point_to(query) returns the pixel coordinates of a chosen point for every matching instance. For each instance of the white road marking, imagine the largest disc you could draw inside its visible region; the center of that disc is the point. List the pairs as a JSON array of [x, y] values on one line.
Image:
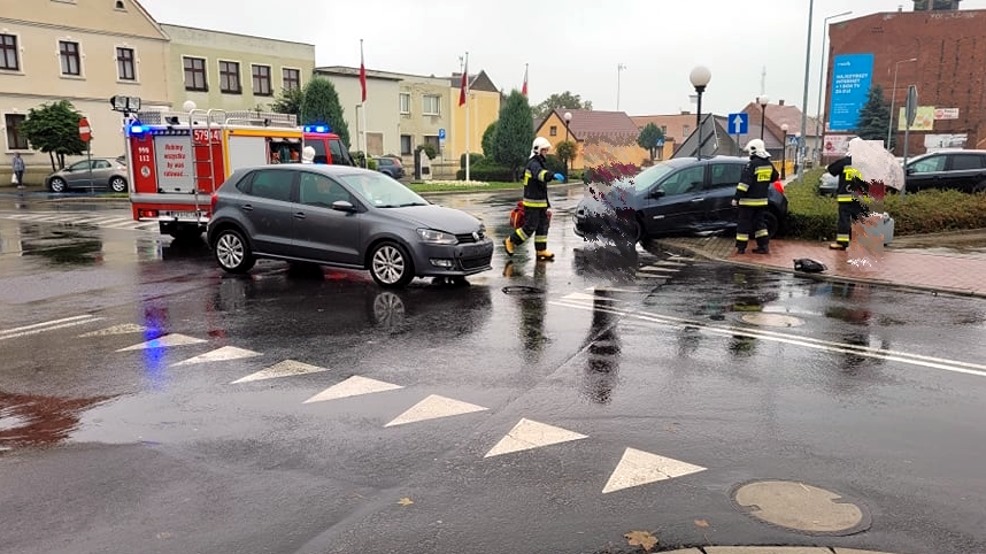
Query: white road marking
[[638, 468], [287, 368], [46, 326], [224, 354], [528, 435], [354, 386], [655, 269], [125, 329], [807, 342], [166, 341], [665, 263], [588, 297], [773, 320], [435, 407]]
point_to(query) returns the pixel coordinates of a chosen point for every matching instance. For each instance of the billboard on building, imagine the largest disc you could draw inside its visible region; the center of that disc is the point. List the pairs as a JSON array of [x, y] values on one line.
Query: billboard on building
[[924, 120], [836, 145], [852, 76], [945, 142]]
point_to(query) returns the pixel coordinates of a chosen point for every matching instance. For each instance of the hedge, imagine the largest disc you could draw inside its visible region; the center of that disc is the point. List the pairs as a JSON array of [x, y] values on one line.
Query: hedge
[[474, 159], [486, 170], [814, 217]]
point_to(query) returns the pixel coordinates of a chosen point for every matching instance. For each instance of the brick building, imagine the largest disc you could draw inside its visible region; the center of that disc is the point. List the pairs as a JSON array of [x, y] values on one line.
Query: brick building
[[950, 47]]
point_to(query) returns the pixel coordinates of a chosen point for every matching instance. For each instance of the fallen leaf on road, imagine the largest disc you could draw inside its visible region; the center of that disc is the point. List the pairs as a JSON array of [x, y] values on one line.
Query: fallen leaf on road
[[701, 523], [405, 501], [642, 539]]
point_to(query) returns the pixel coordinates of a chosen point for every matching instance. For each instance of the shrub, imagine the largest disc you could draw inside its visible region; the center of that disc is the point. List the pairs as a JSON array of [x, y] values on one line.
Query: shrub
[[486, 170], [429, 150], [473, 160]]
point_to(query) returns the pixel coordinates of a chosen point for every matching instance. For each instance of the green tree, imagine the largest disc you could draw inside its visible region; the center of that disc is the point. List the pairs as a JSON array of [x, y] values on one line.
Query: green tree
[[563, 101], [514, 132], [566, 151], [874, 118], [649, 138], [489, 137], [429, 150], [289, 102], [321, 105], [54, 129]]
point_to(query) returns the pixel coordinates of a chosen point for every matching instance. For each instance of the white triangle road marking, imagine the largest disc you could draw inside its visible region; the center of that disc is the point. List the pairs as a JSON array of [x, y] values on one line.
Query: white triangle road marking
[[167, 341], [641, 468], [287, 368], [528, 435], [588, 297], [435, 407], [125, 329], [224, 354], [354, 386]]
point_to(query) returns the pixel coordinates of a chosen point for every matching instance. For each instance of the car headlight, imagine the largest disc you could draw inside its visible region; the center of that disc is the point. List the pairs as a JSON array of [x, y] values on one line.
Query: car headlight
[[431, 236]]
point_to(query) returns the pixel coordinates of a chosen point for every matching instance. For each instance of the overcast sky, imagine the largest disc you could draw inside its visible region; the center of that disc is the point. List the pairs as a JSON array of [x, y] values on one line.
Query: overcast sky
[[570, 45]]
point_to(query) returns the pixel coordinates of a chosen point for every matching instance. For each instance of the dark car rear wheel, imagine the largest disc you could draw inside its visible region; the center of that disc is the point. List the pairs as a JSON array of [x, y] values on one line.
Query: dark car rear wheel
[[391, 266], [773, 223], [232, 252]]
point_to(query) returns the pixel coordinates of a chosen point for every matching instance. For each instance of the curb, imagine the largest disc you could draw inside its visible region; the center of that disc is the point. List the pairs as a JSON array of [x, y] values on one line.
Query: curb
[[770, 550], [695, 251]]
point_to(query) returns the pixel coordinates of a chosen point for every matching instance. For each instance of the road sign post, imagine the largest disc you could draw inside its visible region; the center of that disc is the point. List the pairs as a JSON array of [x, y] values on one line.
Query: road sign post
[[660, 148], [910, 116]]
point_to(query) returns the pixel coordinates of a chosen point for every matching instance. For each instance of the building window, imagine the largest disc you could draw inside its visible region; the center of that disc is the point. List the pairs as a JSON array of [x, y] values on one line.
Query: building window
[[261, 81], [405, 103], [9, 58], [15, 139], [664, 130], [686, 130], [120, 5], [432, 105], [195, 77], [125, 64], [292, 79], [433, 140], [553, 131], [69, 53], [407, 145], [229, 77]]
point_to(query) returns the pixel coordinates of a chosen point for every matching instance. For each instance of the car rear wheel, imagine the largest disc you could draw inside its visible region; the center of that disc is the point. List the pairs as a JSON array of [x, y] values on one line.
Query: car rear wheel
[[57, 185], [773, 223], [391, 266], [118, 184], [233, 252]]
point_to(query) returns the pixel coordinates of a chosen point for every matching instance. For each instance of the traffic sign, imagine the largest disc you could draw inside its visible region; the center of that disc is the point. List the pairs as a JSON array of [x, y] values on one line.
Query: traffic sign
[[739, 123], [441, 134], [660, 143], [85, 132], [912, 104]]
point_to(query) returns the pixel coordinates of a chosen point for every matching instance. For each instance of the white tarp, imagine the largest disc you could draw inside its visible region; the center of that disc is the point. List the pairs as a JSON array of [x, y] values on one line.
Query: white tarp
[[876, 164]]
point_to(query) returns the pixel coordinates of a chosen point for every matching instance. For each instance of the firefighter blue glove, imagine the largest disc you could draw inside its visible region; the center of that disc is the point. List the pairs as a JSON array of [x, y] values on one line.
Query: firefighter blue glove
[[559, 177]]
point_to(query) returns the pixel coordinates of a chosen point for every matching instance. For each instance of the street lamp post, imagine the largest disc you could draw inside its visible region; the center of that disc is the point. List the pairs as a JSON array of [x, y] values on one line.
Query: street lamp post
[[763, 101], [804, 100], [821, 78], [700, 78], [619, 69], [784, 153], [893, 102], [568, 161]]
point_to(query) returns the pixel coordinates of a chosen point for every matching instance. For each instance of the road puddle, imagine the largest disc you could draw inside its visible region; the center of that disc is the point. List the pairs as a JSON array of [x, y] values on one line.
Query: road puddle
[[27, 420]]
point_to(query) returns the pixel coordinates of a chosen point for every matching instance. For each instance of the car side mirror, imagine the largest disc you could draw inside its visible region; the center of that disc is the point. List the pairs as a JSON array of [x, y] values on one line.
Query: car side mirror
[[909, 171], [657, 193], [343, 206]]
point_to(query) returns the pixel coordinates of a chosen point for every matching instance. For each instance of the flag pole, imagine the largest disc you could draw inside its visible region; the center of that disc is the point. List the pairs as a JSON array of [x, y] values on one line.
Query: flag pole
[[466, 80], [366, 155]]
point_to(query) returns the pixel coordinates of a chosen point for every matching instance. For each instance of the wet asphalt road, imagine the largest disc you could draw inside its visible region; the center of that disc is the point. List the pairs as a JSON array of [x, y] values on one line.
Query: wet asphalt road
[[875, 394]]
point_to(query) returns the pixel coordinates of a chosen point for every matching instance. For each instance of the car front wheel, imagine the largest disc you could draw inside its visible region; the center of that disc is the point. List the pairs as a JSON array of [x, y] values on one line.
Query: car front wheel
[[391, 266], [233, 252]]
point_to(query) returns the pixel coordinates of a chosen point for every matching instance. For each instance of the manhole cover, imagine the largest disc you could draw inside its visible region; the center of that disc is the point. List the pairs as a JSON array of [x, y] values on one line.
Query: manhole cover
[[801, 507], [772, 320]]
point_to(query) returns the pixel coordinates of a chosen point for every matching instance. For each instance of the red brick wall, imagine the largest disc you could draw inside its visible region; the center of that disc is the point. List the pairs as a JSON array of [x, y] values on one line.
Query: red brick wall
[[950, 71]]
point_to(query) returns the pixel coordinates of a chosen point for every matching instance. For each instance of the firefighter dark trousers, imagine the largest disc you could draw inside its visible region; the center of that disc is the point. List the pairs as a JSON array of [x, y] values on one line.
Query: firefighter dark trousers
[[752, 220], [536, 225], [849, 212]]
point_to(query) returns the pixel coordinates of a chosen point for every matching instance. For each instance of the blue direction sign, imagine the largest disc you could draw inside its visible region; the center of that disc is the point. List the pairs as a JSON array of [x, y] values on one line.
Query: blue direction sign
[[441, 134], [739, 124], [660, 143]]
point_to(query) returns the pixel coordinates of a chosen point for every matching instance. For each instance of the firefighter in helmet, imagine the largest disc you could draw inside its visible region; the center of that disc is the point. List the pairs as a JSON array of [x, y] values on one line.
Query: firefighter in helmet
[[851, 188], [536, 179], [751, 197]]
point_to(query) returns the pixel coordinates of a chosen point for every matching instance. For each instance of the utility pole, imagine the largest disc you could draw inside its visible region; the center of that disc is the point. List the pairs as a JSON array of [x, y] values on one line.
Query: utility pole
[[619, 68]]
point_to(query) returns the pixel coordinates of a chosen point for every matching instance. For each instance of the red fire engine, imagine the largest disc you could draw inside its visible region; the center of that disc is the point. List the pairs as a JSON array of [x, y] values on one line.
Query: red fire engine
[[176, 160]]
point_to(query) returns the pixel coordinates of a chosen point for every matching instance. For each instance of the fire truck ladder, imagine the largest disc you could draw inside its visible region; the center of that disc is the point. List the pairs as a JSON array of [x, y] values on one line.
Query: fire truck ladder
[[210, 118]]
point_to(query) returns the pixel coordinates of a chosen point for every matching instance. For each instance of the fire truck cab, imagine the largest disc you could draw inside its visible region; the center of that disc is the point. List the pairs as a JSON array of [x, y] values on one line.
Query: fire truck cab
[[176, 160]]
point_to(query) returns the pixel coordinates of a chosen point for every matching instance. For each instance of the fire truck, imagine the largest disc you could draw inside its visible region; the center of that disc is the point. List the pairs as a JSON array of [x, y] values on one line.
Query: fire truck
[[176, 160]]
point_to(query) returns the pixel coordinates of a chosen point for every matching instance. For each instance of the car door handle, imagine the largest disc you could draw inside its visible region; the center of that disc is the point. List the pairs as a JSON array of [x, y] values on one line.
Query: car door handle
[[299, 215], [247, 208], [698, 200]]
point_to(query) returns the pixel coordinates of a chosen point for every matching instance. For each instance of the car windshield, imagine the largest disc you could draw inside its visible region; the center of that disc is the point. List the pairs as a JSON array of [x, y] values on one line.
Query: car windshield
[[651, 175], [381, 191]]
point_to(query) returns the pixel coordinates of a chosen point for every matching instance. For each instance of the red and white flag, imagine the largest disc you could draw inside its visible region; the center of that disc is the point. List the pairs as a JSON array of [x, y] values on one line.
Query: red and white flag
[[362, 71], [524, 90], [464, 85]]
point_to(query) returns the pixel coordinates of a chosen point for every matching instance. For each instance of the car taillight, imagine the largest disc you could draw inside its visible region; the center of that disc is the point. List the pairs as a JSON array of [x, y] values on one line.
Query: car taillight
[[212, 201]]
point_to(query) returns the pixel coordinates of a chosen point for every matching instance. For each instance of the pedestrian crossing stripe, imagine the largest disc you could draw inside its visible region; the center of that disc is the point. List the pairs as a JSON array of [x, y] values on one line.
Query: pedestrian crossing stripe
[[638, 468], [224, 354], [125, 329], [287, 368], [167, 341], [528, 435], [435, 407], [354, 386]]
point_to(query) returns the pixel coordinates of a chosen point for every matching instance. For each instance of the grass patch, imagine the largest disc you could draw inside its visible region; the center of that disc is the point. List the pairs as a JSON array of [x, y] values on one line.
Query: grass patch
[[814, 217]]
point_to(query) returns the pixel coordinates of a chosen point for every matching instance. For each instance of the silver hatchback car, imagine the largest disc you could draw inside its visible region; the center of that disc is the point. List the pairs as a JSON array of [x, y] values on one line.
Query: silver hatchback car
[[346, 217]]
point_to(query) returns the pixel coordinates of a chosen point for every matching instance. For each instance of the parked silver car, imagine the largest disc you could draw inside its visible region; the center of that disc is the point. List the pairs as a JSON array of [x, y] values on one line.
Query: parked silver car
[[343, 217], [107, 173]]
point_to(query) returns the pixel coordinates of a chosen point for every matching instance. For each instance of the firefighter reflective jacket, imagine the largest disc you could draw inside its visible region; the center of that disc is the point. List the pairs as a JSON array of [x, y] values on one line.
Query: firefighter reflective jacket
[[850, 180], [755, 183], [536, 179]]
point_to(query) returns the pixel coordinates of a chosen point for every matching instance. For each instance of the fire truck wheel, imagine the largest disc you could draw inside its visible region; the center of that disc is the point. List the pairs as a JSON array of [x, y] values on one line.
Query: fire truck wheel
[[233, 252], [391, 265]]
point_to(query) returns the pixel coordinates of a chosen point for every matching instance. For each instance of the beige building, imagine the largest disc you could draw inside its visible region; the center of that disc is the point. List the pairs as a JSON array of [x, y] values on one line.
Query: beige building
[[425, 111], [234, 72], [484, 109], [84, 51], [383, 98]]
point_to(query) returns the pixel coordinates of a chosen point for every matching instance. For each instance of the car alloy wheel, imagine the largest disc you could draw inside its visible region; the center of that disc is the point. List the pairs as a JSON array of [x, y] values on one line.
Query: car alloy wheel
[[390, 266], [232, 252], [57, 185], [118, 184]]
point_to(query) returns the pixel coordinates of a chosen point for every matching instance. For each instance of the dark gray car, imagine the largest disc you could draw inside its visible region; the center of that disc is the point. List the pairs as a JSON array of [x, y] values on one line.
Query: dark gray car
[[343, 217]]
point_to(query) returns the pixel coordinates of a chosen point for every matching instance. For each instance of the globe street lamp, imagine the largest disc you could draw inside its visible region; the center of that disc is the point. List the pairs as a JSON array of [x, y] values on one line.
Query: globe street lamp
[[763, 101], [893, 101], [568, 119], [700, 78], [784, 128]]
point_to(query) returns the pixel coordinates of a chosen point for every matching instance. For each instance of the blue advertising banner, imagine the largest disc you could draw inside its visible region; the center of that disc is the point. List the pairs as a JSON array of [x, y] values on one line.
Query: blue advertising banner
[[851, 78]]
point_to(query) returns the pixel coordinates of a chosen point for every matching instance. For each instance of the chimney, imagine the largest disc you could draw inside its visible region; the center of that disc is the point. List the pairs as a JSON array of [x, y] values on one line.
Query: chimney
[[780, 102]]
